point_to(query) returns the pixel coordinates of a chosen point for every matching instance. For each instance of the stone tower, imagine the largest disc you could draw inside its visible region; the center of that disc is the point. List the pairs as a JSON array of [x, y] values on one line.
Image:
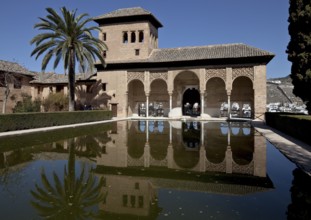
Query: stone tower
[[130, 34]]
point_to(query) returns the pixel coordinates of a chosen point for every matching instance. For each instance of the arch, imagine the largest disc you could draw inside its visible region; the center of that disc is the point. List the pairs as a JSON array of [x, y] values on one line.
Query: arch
[[136, 142], [183, 81], [186, 159], [191, 135], [158, 145], [136, 95], [242, 149], [125, 37], [158, 96], [133, 37], [215, 95], [191, 97], [243, 93], [215, 143], [141, 37]]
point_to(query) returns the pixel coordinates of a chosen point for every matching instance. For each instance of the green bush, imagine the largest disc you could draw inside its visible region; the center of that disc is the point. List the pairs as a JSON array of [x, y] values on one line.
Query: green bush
[[27, 105], [297, 126], [19, 121], [55, 102]]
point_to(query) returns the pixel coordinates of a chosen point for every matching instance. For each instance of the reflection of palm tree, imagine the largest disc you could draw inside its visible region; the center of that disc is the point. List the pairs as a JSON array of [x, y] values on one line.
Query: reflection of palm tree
[[70, 199], [91, 145]]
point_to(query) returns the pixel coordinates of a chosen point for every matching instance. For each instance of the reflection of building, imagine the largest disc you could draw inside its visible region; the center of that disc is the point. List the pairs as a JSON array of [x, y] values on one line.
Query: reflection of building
[[138, 71], [230, 159], [128, 195], [232, 148]]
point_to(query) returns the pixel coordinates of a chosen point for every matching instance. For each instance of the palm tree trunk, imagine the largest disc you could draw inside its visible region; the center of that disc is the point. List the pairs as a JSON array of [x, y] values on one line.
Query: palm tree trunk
[[71, 82]]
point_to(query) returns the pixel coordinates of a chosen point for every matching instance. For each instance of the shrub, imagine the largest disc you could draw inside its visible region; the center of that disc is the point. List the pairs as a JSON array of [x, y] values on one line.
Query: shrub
[[11, 122], [297, 126], [55, 102], [27, 105]]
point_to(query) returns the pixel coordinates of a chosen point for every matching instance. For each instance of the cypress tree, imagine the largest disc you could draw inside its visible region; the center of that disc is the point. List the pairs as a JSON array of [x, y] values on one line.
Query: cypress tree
[[299, 48]]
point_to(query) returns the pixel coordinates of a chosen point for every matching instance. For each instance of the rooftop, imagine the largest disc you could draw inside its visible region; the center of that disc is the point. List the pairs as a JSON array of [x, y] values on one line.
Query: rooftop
[[12, 67], [201, 53], [129, 14]]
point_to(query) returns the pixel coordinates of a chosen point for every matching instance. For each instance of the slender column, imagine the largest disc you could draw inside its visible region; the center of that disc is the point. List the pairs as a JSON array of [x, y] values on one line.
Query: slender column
[[126, 105], [170, 151], [147, 131], [229, 106], [147, 105], [171, 101], [202, 104], [229, 159]]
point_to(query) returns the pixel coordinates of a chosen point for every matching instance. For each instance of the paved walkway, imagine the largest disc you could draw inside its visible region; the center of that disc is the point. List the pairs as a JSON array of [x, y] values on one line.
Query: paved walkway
[[295, 150]]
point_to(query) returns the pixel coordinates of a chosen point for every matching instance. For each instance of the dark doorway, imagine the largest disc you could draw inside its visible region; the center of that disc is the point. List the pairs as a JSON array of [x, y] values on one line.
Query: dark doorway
[[191, 96]]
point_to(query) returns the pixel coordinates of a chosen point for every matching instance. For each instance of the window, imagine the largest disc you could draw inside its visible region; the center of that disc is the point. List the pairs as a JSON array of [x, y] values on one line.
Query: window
[[133, 37], [141, 37], [140, 201], [17, 83], [125, 37], [39, 90], [104, 87], [104, 54], [137, 52], [124, 200], [133, 201], [104, 36], [59, 88], [89, 88], [136, 185]]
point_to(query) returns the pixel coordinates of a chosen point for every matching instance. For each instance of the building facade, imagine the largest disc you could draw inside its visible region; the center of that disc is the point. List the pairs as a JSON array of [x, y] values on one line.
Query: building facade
[[14, 82], [139, 74]]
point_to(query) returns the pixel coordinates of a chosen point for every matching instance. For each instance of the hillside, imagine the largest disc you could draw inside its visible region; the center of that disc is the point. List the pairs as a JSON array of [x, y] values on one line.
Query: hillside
[[281, 90]]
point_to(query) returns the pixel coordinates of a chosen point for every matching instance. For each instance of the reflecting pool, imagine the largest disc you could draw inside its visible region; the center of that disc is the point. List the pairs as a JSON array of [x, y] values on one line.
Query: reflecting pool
[[150, 170]]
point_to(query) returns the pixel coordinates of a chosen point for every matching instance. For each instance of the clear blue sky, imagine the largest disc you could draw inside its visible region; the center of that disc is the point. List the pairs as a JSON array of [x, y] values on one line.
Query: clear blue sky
[[259, 23]]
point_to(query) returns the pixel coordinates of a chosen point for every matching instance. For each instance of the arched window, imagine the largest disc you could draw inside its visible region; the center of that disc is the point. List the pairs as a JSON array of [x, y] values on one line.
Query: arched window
[[133, 37], [125, 37], [141, 37]]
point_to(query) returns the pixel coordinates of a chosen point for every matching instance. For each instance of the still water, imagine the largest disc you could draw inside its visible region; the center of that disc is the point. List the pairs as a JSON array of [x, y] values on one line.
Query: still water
[[150, 170]]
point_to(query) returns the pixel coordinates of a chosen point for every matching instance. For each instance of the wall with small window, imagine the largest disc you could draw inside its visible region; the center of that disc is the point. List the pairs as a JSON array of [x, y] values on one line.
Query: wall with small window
[[129, 41]]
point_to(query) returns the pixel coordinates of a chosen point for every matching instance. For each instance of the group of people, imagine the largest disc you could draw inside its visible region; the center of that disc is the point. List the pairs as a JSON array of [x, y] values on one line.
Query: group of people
[[235, 110], [153, 110], [192, 110]]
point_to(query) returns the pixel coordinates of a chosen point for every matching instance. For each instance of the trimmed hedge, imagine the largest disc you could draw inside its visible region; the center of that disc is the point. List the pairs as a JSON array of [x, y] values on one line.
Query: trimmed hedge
[[297, 126], [11, 122]]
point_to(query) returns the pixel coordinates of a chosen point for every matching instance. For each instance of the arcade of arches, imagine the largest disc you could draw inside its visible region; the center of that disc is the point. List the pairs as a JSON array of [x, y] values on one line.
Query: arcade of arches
[[207, 88]]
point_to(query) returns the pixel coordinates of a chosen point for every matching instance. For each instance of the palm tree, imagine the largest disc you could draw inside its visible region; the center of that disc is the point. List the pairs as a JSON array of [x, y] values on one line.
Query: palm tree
[[68, 39]]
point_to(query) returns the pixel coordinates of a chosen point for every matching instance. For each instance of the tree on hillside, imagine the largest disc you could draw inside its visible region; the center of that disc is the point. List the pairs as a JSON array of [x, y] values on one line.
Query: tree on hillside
[[299, 48], [68, 38]]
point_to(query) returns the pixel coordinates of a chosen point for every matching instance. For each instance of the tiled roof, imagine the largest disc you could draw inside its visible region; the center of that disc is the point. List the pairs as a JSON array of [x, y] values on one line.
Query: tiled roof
[[53, 78], [222, 51], [125, 12], [11, 67], [211, 52], [48, 78]]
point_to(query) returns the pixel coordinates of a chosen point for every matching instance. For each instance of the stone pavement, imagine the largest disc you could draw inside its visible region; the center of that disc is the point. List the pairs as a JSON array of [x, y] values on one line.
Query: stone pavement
[[296, 151]]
